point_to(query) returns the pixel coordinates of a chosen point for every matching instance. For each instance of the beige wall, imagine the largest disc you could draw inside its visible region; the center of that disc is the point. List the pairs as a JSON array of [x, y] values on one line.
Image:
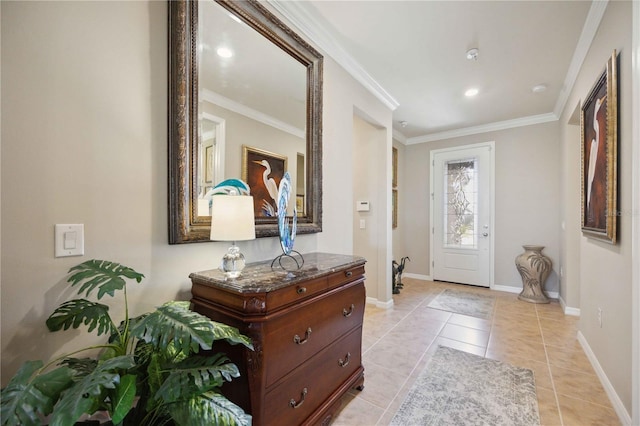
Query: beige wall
[[84, 140], [399, 247], [343, 100], [604, 270], [367, 162], [527, 198], [570, 209]]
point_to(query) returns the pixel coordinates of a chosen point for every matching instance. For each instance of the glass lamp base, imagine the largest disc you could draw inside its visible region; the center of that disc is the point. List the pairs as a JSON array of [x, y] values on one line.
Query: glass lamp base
[[233, 262]]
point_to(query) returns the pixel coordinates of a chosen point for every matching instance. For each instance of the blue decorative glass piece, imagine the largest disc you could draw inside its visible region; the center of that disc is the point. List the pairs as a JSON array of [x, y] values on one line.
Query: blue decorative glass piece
[[228, 186], [287, 237]]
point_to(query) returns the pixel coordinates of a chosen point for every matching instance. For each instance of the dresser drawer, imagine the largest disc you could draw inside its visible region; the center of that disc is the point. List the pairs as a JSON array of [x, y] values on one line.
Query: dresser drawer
[[293, 338], [304, 290], [295, 293], [306, 388], [345, 276]]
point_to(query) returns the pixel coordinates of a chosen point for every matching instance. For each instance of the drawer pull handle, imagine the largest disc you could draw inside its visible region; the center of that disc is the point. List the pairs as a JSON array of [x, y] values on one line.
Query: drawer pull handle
[[348, 274], [298, 341], [294, 404], [301, 290], [345, 362], [348, 313]]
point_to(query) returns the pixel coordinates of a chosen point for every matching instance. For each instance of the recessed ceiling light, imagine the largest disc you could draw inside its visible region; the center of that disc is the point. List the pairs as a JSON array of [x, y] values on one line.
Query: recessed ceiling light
[[472, 54], [471, 92], [224, 52], [539, 88]]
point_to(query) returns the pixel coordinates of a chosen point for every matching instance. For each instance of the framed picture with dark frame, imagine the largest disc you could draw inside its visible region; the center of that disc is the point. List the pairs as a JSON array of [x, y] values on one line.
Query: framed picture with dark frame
[[394, 208], [394, 166], [208, 164], [300, 204], [262, 171], [599, 139]]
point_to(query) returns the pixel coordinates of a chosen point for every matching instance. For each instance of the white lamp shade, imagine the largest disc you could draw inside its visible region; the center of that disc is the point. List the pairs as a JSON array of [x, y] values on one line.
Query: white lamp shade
[[232, 218]]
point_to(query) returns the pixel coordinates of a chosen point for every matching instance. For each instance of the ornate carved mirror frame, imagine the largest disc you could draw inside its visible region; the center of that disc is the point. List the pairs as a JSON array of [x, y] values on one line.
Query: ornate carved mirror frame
[[185, 226]]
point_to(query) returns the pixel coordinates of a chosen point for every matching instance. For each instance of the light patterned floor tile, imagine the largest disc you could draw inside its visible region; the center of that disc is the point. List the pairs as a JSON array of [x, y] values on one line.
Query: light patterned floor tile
[[579, 385], [465, 334], [399, 342], [576, 412], [548, 408]]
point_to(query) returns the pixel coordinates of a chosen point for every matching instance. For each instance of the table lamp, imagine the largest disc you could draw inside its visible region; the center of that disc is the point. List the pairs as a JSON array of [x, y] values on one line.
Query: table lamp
[[232, 219]]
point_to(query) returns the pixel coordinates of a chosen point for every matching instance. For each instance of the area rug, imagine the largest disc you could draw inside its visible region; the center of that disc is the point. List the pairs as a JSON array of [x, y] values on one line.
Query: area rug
[[458, 388], [465, 303]]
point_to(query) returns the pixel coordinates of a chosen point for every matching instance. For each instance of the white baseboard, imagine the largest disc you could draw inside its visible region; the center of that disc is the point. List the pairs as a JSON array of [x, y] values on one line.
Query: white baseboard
[[553, 294], [506, 288], [568, 310], [418, 276], [618, 406], [379, 304], [511, 289]]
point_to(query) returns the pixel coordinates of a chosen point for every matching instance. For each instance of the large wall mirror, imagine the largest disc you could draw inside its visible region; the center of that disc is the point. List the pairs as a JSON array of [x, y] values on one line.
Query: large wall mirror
[[245, 101]]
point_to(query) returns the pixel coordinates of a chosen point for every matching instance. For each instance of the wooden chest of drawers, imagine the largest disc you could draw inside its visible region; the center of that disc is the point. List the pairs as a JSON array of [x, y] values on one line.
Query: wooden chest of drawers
[[306, 328]]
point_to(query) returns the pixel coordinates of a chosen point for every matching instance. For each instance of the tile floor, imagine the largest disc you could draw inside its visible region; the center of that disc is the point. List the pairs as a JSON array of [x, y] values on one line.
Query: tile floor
[[398, 342]]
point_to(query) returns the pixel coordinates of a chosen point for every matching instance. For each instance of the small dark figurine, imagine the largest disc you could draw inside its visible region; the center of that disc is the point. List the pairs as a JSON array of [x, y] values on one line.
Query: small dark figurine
[[397, 274]]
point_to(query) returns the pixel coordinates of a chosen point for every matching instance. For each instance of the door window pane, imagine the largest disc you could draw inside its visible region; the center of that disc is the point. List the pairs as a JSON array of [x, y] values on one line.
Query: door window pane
[[461, 203]]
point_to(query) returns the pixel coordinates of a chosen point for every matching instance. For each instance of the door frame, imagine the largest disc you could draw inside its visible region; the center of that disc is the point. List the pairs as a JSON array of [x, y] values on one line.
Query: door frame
[[492, 198]]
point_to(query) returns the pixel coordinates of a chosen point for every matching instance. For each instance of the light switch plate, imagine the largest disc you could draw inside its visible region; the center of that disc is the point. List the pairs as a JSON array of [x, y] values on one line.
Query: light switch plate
[[69, 240]]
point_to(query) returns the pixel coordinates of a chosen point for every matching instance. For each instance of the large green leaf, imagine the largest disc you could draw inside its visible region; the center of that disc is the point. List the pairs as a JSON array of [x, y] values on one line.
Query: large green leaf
[[81, 311], [88, 394], [175, 323], [24, 398], [230, 334], [124, 396], [196, 375], [208, 409], [80, 366], [154, 376], [108, 276]]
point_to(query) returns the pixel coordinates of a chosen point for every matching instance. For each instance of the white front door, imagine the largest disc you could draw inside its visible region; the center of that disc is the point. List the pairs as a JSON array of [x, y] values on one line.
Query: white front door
[[461, 214]]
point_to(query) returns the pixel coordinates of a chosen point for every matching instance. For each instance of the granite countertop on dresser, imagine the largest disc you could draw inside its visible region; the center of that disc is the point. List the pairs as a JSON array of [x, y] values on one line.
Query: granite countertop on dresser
[[260, 277]]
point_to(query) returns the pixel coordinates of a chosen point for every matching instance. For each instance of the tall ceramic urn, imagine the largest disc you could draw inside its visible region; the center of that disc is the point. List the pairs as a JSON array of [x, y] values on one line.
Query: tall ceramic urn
[[534, 268]]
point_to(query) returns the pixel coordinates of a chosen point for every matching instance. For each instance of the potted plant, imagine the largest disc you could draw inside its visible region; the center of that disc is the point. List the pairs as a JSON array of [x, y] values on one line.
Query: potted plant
[[151, 370]]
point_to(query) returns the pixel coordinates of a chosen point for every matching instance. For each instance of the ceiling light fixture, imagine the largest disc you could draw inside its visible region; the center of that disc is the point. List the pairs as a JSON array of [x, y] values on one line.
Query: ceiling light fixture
[[471, 92], [403, 123], [539, 88], [224, 52], [472, 54]]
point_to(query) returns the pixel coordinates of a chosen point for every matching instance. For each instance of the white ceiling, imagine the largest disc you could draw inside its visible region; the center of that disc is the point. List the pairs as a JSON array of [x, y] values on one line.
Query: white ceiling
[[412, 55], [257, 80]]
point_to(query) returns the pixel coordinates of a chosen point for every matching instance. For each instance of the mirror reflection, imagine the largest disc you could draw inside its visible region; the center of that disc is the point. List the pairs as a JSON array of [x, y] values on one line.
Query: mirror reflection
[[257, 94], [245, 101]]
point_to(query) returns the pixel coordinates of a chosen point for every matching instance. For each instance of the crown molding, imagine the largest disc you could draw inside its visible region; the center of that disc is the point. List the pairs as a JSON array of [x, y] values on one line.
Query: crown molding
[[297, 13], [484, 128], [591, 24], [231, 105], [399, 137]]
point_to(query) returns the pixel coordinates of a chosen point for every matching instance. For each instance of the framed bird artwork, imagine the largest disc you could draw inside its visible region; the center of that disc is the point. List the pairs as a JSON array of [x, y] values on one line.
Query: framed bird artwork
[[262, 171], [599, 138]]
